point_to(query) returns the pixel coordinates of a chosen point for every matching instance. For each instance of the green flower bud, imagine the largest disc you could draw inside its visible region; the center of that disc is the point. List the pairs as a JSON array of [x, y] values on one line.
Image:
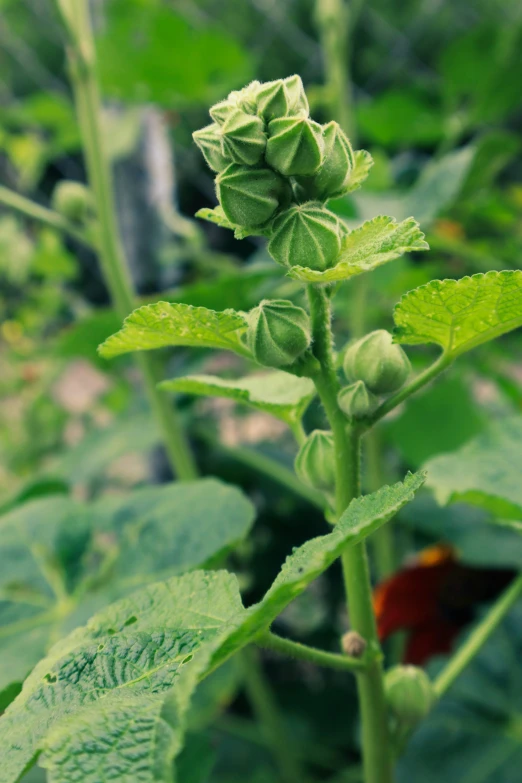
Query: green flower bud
[[295, 146], [297, 100], [209, 142], [306, 235], [356, 402], [409, 693], [315, 461], [244, 139], [250, 197], [272, 100], [334, 175], [244, 99], [278, 332], [73, 200], [376, 360]]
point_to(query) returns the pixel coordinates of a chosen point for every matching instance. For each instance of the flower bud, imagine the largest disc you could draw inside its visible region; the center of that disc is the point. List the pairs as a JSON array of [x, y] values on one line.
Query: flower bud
[[409, 693], [376, 360], [249, 196], [315, 461], [356, 402], [272, 100], [296, 96], [334, 175], [278, 332], [306, 235], [244, 99], [73, 200], [209, 142], [243, 136], [295, 145]]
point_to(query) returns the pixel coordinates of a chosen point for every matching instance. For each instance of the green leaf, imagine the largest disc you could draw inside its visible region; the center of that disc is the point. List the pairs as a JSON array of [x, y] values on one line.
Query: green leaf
[[109, 701], [163, 324], [284, 396], [485, 472], [363, 516], [60, 560], [460, 314], [365, 248], [218, 217]]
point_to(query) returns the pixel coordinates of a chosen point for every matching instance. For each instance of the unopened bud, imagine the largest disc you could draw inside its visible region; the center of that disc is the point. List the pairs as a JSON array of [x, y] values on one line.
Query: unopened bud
[[272, 100], [353, 644], [297, 100], [73, 200], [278, 332], [209, 142], [410, 694], [295, 145], [243, 136], [356, 402], [306, 235], [315, 461], [378, 362], [248, 196], [332, 178]]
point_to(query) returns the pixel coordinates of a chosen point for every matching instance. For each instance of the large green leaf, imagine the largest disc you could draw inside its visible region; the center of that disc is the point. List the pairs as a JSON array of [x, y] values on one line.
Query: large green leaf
[[278, 393], [485, 472], [365, 248], [109, 701], [164, 324], [460, 314], [60, 560]]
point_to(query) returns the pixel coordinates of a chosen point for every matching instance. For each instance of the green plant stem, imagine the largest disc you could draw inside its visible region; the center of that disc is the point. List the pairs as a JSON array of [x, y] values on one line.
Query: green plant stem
[[305, 653], [417, 383], [383, 548], [377, 756], [43, 215], [478, 637], [268, 716], [81, 57]]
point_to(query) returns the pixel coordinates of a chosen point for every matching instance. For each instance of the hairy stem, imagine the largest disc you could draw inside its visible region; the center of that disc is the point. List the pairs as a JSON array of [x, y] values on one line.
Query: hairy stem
[[478, 637], [377, 755], [267, 715], [305, 653], [81, 57]]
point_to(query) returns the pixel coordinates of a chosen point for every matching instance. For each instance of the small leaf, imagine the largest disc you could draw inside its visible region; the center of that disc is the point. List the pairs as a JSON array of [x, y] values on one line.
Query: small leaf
[[163, 324], [216, 216], [284, 396], [485, 472], [363, 516], [361, 168], [365, 248], [460, 314]]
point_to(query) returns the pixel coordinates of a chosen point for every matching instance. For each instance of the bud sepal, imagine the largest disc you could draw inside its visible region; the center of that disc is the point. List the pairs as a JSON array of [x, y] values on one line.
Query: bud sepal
[[295, 146], [377, 361], [333, 178], [243, 138], [250, 196], [306, 235], [356, 402], [210, 143], [409, 693], [278, 332]]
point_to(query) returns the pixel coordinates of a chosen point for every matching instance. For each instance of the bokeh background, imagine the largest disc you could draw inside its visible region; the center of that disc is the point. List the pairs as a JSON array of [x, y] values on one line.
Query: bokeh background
[[432, 89]]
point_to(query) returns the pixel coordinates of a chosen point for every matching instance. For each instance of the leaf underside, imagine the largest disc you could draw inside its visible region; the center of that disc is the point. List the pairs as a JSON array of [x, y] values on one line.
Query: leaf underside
[[278, 393], [461, 314], [365, 248], [109, 701], [163, 324]]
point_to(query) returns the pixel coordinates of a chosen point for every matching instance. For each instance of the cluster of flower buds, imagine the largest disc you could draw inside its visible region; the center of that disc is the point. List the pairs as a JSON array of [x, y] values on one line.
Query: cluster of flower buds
[[276, 168], [374, 366]]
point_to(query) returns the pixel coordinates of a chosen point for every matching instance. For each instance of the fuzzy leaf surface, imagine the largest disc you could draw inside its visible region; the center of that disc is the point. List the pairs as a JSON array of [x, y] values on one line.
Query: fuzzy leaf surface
[[109, 701], [365, 248], [60, 560], [460, 314], [485, 472], [283, 395], [163, 324]]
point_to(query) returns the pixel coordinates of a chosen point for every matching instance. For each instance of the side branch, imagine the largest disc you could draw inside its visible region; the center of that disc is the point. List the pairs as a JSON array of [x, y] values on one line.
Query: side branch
[[43, 215], [303, 652]]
